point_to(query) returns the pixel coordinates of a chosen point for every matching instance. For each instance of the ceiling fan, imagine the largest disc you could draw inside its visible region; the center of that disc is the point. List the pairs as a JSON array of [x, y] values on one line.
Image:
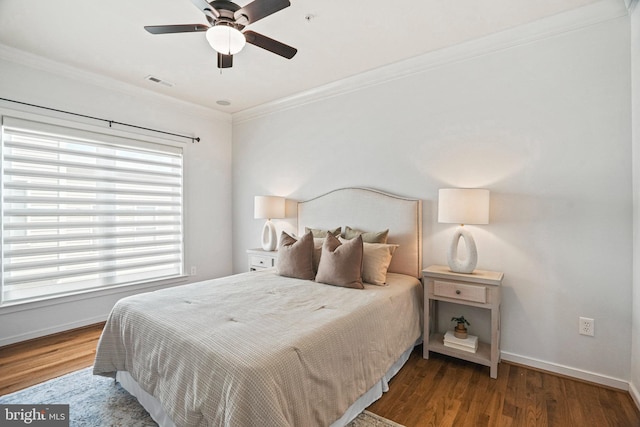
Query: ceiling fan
[[226, 22]]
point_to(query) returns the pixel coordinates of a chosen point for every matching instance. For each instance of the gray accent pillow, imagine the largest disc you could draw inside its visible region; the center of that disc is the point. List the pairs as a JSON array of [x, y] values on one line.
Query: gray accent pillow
[[367, 236], [317, 232], [295, 257], [341, 263]]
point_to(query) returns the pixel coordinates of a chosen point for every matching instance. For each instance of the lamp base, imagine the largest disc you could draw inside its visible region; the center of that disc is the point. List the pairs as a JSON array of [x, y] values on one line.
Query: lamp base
[[468, 264], [269, 237]]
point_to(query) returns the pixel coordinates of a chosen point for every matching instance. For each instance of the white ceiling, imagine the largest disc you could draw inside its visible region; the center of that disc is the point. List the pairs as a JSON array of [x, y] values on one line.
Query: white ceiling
[[343, 38]]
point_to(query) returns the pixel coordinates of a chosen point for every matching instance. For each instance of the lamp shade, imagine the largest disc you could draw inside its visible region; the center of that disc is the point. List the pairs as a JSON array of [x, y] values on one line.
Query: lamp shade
[[268, 207], [463, 206], [225, 39]]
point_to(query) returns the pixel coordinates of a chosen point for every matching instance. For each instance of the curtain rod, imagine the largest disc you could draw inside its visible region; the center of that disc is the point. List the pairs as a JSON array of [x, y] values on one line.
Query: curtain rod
[[111, 122]]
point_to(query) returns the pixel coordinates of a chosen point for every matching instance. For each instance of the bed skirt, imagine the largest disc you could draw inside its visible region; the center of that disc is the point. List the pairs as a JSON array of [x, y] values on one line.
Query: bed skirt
[[154, 408]]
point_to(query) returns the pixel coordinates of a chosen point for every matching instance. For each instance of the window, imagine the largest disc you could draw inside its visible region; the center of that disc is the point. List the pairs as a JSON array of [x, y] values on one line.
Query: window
[[83, 210]]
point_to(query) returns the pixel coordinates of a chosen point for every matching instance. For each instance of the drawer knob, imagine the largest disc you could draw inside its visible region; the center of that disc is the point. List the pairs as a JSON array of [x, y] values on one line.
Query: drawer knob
[[458, 292]]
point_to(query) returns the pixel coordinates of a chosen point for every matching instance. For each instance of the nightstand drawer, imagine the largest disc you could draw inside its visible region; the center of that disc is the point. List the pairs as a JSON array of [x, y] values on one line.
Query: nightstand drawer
[[460, 291], [258, 261]]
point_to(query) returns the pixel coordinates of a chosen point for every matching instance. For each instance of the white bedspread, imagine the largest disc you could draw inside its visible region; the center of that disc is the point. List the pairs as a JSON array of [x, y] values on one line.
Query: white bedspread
[[257, 349]]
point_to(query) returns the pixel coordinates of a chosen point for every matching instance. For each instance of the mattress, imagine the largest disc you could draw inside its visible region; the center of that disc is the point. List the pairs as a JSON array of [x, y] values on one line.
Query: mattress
[[257, 349]]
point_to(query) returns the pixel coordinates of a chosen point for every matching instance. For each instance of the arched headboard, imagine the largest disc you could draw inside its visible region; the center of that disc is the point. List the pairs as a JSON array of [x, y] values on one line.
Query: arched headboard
[[371, 210]]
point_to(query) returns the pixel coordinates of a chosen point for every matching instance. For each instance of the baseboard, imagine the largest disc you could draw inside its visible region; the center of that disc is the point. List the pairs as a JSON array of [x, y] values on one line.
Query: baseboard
[[569, 371], [635, 395], [51, 330]]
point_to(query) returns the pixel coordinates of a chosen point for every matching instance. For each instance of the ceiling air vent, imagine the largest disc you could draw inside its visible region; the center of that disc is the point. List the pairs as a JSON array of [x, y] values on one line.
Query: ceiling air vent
[[159, 81]]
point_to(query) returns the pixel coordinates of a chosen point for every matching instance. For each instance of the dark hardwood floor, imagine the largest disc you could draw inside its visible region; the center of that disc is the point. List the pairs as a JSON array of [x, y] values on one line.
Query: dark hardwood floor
[[444, 391], [440, 392]]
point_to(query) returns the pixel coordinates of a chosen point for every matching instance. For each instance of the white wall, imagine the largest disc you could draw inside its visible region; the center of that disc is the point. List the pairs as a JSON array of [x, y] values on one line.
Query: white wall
[[545, 125], [207, 167], [635, 76]]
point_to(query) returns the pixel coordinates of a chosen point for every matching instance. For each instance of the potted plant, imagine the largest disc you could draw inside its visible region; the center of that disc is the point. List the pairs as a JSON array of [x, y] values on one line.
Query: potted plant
[[461, 330]]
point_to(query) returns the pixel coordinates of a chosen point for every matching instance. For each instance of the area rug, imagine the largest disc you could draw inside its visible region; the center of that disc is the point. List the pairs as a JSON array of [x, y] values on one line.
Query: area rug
[[100, 402]]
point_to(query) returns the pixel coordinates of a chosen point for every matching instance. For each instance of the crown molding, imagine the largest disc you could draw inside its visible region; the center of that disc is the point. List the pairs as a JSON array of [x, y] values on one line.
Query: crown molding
[[30, 60], [591, 14], [595, 13]]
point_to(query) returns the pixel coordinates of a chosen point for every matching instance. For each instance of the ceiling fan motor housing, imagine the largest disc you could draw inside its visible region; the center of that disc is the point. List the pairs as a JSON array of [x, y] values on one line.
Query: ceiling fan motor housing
[[227, 20], [227, 11]]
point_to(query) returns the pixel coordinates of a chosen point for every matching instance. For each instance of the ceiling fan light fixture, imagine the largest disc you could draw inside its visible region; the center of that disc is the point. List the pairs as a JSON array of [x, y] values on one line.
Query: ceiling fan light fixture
[[225, 39]]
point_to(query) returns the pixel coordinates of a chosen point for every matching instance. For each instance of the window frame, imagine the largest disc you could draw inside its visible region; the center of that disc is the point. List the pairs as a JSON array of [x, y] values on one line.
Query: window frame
[[107, 135]]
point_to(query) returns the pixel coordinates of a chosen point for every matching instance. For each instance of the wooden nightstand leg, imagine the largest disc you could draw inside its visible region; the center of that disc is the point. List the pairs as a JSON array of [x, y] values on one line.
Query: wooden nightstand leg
[[426, 324], [495, 340]]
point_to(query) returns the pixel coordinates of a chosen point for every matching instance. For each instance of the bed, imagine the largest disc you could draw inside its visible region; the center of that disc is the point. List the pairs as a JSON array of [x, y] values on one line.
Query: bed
[[259, 349]]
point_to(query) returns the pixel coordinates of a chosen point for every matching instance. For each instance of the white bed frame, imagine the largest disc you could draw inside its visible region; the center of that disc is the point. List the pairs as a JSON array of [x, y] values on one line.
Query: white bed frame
[[363, 209]]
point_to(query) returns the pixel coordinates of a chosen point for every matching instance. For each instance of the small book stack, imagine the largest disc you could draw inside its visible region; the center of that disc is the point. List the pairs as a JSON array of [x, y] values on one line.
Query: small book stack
[[469, 344]]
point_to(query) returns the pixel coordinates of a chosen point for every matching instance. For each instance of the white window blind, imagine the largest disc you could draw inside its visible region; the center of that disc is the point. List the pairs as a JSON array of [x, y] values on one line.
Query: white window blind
[[84, 210]]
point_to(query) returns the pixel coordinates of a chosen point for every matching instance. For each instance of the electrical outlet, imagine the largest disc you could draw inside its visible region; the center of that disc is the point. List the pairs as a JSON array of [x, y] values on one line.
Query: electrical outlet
[[586, 326], [194, 270]]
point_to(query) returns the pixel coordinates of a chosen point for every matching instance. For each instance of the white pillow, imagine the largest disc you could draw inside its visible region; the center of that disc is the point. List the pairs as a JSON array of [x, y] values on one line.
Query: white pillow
[[377, 257]]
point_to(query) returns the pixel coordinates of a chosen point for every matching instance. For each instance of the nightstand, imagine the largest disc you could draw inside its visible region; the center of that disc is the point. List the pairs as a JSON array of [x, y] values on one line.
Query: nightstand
[[478, 289], [259, 259]]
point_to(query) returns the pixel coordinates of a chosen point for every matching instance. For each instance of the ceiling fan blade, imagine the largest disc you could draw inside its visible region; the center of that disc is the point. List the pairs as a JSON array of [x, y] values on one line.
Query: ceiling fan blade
[[225, 61], [258, 9], [170, 29], [269, 44], [204, 6]]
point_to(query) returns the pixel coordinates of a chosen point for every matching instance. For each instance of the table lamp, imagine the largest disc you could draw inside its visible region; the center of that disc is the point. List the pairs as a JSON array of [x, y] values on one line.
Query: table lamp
[[463, 206], [269, 207]]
